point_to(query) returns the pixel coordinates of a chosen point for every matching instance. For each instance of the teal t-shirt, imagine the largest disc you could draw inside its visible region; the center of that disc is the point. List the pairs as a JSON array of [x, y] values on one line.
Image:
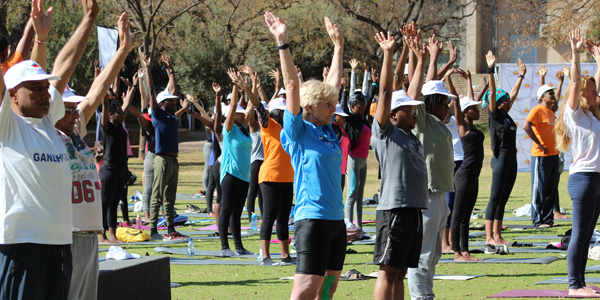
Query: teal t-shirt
[[235, 155], [316, 156]]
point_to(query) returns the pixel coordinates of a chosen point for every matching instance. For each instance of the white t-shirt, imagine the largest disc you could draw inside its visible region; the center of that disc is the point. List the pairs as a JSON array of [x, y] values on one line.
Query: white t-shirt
[[584, 131], [456, 143], [85, 196], [35, 178]]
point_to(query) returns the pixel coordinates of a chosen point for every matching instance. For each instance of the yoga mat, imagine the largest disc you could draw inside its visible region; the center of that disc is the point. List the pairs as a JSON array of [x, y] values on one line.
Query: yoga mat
[[537, 293], [565, 280], [534, 244], [522, 250], [438, 276], [243, 235], [521, 226], [276, 241], [150, 242], [193, 215], [539, 237], [214, 227], [369, 212], [369, 229], [529, 219], [363, 242], [369, 222], [193, 261], [593, 268], [539, 260], [183, 251], [188, 232], [476, 234]]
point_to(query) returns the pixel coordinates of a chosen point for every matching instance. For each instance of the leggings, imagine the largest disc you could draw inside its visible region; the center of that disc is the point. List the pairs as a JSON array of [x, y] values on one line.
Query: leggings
[[216, 173], [206, 174], [467, 187], [356, 187], [125, 202], [112, 185], [584, 189], [210, 189], [232, 204], [254, 189], [504, 174], [451, 195], [278, 197]]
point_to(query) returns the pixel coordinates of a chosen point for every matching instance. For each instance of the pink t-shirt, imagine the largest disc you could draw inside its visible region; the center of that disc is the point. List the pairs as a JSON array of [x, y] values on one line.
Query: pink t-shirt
[[345, 144], [361, 149]]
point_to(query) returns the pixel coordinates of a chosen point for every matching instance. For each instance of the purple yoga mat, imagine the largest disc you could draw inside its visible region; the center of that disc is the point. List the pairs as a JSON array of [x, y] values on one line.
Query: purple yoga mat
[[540, 293], [213, 227]]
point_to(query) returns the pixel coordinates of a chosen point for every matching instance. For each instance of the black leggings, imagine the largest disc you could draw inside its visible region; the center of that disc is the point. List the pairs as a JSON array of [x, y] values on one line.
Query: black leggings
[[112, 185], [125, 201], [254, 189], [232, 204], [504, 174], [467, 188], [216, 173], [278, 197], [210, 189]]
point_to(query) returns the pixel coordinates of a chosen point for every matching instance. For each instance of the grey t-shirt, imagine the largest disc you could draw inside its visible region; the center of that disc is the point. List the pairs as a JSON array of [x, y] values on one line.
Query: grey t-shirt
[[403, 167], [257, 147]]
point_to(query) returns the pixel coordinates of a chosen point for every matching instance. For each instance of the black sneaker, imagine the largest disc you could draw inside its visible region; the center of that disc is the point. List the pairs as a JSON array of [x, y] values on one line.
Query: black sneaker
[[156, 236], [490, 249], [289, 260]]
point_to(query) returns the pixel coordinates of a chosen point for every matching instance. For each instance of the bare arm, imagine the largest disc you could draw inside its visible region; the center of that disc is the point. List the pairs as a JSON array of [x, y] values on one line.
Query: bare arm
[[491, 61], [41, 23], [414, 89], [483, 90], [202, 116], [334, 78], [24, 44], [515, 90], [149, 82], [399, 76], [561, 79], [143, 121], [275, 74], [69, 55], [529, 131], [103, 81], [435, 49], [104, 121], [542, 71], [387, 79], [576, 44], [453, 53], [185, 105], [232, 108], [170, 69]]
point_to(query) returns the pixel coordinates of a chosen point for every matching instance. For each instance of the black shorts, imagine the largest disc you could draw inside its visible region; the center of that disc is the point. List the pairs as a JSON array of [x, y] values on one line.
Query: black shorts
[[399, 237], [320, 246]]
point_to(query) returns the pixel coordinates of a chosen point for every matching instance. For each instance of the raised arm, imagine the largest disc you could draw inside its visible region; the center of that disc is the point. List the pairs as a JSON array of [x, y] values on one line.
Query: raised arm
[[275, 75], [105, 109], [366, 77], [399, 74], [353, 64], [453, 53], [387, 78], [414, 89], [170, 69], [486, 85], [290, 79], [232, 106], [336, 71], [217, 130], [240, 82], [131, 88], [24, 45], [185, 106], [40, 23], [561, 79], [105, 78], [515, 90], [435, 49], [69, 56], [202, 116], [577, 41], [149, 82], [595, 50], [491, 62], [542, 71], [463, 126]]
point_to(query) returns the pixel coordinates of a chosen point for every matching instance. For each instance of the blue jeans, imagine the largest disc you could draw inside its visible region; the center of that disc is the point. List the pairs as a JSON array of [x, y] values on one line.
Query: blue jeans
[[584, 189], [420, 279]]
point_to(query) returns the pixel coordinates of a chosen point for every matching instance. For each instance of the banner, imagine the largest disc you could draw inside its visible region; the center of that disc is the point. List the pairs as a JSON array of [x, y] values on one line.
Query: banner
[[507, 77], [107, 45]]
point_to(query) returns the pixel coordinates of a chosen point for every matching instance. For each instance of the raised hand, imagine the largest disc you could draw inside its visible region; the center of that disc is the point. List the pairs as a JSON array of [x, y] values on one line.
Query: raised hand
[[236, 78], [542, 71], [596, 53], [136, 79], [464, 74], [185, 104], [245, 69], [124, 33], [375, 75], [299, 73], [449, 73], [277, 27], [566, 71], [452, 51], [90, 8], [576, 40], [490, 59], [364, 65], [146, 60], [354, 63], [435, 47], [345, 82], [589, 44], [96, 68], [325, 72], [41, 21], [386, 43], [217, 88], [560, 75], [521, 66], [413, 44], [126, 82], [334, 33], [275, 75], [166, 60]]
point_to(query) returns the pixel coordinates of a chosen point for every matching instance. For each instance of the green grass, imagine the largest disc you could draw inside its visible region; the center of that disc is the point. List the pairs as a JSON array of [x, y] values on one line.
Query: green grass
[[256, 282]]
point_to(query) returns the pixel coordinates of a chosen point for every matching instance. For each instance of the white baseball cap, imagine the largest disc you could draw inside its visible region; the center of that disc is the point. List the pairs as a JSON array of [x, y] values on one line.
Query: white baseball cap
[[27, 70], [240, 110], [69, 96], [544, 88], [466, 102], [264, 104], [340, 111], [432, 87], [164, 95], [277, 103], [281, 92], [229, 96], [400, 98]]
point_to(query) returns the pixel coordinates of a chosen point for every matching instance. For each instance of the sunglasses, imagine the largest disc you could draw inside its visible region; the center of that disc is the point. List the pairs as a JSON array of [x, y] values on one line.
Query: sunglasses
[[72, 110]]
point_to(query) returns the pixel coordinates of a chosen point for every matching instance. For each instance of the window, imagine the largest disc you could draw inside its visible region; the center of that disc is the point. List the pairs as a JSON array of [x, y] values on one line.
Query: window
[[522, 48]]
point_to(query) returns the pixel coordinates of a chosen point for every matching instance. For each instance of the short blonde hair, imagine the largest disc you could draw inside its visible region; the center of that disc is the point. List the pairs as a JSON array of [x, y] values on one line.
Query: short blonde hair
[[313, 92]]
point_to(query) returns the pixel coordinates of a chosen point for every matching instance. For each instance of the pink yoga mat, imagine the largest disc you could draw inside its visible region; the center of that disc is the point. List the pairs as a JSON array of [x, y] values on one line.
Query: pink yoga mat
[[213, 227], [539, 293], [368, 222], [276, 241], [147, 227]]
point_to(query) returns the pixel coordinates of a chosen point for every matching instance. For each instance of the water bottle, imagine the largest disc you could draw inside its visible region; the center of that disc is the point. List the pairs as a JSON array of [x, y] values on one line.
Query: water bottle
[[260, 253], [138, 222], [254, 222], [190, 250]]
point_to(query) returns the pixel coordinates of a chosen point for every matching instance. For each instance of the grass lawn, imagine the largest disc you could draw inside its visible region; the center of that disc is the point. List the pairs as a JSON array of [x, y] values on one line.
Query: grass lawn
[[256, 282]]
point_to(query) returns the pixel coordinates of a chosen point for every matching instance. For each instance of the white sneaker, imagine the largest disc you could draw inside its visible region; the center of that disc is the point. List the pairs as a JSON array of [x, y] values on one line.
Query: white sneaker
[[349, 224], [228, 253]]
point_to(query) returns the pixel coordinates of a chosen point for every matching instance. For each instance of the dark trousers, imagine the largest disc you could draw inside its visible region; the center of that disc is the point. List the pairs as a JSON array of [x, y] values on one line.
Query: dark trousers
[[277, 197], [504, 174], [210, 189], [451, 195], [35, 271], [544, 189], [467, 188], [232, 205], [584, 189], [111, 190], [216, 173], [254, 190]]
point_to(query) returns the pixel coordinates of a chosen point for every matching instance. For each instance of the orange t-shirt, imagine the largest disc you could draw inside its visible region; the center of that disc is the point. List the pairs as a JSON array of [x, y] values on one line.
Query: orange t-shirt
[[277, 166], [542, 120], [13, 60], [373, 109]]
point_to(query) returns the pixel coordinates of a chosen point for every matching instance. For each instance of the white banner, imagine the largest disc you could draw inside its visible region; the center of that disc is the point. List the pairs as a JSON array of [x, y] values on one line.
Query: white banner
[[507, 77], [107, 45]]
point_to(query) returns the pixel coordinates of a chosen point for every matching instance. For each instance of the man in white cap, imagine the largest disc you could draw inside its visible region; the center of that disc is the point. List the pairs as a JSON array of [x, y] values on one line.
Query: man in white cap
[[403, 181], [35, 175], [539, 127], [166, 166], [85, 196]]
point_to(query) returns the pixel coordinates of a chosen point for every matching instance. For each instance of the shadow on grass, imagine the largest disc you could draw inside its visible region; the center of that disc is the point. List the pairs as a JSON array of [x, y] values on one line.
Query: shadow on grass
[[233, 282]]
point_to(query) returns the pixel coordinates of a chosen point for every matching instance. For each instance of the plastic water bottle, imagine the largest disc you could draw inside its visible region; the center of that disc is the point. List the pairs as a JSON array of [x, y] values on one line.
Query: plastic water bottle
[[190, 248], [138, 222], [254, 222], [260, 253]]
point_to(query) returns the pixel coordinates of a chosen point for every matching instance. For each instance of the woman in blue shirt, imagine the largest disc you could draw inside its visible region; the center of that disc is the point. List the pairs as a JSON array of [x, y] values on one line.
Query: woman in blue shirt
[[316, 157]]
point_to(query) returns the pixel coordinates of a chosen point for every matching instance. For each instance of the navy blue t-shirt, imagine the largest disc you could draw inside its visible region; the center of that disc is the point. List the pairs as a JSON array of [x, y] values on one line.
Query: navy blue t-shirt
[[165, 128]]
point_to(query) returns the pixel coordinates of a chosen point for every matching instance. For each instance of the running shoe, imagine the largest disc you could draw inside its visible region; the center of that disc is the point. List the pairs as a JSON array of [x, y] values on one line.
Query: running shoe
[[174, 236], [289, 261], [244, 252], [503, 250], [192, 209], [228, 253], [268, 262], [490, 249]]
